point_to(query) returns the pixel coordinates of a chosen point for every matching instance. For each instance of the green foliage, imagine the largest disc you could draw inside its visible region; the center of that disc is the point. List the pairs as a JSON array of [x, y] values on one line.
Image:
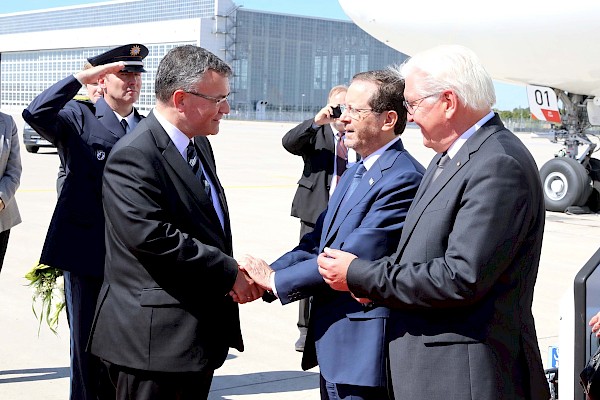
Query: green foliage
[[515, 114], [48, 287]]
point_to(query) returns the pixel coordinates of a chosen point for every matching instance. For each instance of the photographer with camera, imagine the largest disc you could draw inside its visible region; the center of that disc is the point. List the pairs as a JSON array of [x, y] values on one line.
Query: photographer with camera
[[319, 141]]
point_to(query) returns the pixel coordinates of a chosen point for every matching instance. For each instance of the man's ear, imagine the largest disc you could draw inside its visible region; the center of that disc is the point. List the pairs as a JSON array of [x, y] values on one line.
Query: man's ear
[[391, 118], [450, 101], [102, 83], [178, 99]]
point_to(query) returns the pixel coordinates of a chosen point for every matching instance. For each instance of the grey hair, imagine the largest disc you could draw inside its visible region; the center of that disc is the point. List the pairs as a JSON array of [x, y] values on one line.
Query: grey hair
[[182, 67], [456, 68]]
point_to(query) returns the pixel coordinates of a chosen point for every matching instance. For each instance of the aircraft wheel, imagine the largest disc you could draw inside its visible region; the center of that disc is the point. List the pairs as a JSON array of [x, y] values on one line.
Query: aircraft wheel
[[566, 183]]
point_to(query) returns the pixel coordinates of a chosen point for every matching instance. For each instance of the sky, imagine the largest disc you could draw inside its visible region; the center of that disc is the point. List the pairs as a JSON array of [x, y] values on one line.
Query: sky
[[508, 96]]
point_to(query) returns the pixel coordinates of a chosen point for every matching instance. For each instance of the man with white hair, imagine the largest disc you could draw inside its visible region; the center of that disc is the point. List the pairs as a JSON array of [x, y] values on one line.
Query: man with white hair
[[460, 284]]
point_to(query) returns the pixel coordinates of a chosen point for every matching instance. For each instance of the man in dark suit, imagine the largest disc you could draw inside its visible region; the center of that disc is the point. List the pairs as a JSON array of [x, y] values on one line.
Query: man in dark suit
[[84, 134], [365, 215], [460, 284], [164, 321], [319, 141]]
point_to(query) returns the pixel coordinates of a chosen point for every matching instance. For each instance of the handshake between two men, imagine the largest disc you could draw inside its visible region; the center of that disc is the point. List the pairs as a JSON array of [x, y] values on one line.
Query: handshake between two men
[[257, 276]]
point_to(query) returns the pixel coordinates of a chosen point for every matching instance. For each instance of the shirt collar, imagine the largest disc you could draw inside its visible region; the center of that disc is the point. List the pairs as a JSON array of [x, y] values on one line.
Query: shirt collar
[[335, 131], [179, 139], [373, 157], [458, 143], [130, 118]]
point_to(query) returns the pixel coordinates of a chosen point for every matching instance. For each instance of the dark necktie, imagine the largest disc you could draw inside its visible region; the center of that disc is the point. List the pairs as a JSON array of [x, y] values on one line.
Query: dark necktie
[[125, 125], [441, 163], [341, 155], [360, 171], [194, 163]]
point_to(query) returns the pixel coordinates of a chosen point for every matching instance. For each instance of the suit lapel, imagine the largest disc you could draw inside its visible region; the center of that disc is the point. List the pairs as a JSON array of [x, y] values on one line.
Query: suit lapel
[[328, 133], [429, 191], [427, 178], [207, 160], [107, 117], [368, 181], [333, 207], [174, 159]]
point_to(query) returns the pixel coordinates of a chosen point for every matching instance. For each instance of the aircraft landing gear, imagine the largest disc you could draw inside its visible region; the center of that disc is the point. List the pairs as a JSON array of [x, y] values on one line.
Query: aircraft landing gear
[[568, 179], [566, 183]]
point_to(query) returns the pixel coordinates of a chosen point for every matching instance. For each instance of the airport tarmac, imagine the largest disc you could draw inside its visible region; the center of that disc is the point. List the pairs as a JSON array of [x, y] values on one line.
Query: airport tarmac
[[260, 180]]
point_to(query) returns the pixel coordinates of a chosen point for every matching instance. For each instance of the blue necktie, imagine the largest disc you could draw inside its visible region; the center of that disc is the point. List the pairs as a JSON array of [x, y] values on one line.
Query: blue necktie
[[360, 171]]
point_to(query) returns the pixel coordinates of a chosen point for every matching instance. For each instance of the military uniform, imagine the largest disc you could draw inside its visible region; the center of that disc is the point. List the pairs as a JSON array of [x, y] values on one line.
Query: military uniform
[[84, 135]]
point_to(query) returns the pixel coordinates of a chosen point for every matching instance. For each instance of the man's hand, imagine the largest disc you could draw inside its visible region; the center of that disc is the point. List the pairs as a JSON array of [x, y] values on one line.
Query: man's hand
[[595, 324], [333, 266], [92, 75], [244, 289], [324, 115], [258, 270]]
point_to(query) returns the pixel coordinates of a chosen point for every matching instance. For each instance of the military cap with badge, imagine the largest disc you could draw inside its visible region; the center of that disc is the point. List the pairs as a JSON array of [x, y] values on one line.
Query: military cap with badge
[[130, 54]]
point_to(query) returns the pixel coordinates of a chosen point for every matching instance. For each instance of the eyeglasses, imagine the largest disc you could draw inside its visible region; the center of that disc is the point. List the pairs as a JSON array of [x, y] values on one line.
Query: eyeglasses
[[355, 113], [411, 106], [217, 100]]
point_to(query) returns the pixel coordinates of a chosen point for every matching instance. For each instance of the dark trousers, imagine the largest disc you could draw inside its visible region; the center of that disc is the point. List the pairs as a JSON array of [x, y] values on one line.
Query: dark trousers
[[81, 293], [132, 384], [304, 304], [338, 391], [3, 245]]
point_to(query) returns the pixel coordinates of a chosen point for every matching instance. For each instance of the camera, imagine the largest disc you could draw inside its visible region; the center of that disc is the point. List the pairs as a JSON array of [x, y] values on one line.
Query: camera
[[336, 112]]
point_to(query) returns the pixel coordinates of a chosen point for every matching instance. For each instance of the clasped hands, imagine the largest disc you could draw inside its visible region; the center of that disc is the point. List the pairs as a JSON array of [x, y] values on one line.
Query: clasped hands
[[333, 266], [253, 278]]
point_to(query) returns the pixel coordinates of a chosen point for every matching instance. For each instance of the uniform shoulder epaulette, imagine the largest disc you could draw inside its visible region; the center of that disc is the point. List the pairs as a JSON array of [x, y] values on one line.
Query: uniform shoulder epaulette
[[81, 97], [85, 100]]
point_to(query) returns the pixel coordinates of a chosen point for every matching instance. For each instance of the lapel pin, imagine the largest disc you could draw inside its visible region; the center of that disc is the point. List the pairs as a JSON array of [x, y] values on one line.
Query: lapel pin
[[371, 181]]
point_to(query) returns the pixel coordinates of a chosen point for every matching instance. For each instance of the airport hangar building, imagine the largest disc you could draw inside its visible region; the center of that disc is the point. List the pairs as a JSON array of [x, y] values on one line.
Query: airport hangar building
[[284, 65]]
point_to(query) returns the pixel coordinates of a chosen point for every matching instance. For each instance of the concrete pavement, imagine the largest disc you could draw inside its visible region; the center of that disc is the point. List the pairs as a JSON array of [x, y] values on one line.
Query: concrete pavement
[[260, 180]]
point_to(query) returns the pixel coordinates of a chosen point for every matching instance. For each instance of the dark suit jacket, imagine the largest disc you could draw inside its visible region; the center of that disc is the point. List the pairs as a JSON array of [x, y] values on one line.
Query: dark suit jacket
[[461, 283], [84, 136], [163, 305], [317, 149], [351, 340]]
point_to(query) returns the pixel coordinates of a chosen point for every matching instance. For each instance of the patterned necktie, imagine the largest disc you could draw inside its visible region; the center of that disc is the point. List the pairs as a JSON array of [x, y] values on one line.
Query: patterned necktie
[[360, 171], [341, 155], [194, 163], [441, 164], [125, 125]]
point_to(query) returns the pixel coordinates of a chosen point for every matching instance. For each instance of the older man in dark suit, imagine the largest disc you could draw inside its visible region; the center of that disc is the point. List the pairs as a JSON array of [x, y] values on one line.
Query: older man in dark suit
[[164, 320], [84, 134], [461, 282]]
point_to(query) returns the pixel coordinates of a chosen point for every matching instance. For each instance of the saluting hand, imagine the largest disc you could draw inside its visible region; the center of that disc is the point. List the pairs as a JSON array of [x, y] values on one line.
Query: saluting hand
[[92, 75]]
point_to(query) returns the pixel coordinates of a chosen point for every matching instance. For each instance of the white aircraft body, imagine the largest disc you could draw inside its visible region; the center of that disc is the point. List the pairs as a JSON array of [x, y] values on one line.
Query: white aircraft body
[[519, 41], [552, 48]]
